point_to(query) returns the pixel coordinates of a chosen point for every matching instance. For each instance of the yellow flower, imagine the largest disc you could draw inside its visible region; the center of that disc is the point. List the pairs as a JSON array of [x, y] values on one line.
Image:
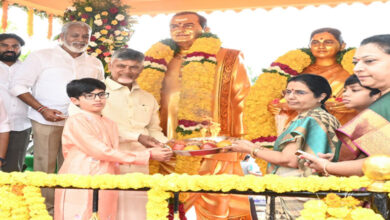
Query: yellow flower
[[125, 33], [104, 13], [332, 200], [295, 59], [98, 51], [88, 9], [114, 22], [363, 213], [338, 212], [104, 31], [346, 62], [83, 19]]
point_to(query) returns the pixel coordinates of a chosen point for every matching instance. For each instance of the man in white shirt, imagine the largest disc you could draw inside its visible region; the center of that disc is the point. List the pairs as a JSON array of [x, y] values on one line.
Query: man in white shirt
[[46, 73], [4, 133], [20, 126], [136, 113], [250, 167]]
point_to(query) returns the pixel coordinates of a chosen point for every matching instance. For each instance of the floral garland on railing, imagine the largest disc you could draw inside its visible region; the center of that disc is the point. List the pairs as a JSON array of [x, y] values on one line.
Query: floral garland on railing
[[110, 22], [334, 207], [22, 202], [198, 78], [157, 207]]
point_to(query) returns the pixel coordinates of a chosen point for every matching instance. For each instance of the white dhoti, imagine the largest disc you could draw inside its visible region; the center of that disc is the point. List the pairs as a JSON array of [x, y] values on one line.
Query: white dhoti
[[132, 204]]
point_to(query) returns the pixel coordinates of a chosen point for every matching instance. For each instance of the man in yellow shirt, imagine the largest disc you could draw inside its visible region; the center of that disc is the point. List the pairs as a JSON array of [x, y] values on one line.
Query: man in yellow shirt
[[136, 113]]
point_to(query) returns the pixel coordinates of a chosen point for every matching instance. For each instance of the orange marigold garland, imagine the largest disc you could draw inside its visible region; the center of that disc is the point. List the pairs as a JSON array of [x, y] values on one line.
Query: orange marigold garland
[[30, 22], [50, 26], [4, 18]]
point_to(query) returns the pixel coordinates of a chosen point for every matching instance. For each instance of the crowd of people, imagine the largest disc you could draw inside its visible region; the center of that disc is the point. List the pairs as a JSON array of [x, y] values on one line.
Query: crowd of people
[[83, 123]]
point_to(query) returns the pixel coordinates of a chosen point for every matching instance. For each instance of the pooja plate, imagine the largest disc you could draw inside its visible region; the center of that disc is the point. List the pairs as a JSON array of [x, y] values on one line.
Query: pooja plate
[[205, 151], [200, 152]]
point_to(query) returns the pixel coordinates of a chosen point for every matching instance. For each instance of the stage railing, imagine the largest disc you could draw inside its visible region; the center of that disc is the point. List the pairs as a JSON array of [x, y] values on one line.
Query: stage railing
[[161, 187]]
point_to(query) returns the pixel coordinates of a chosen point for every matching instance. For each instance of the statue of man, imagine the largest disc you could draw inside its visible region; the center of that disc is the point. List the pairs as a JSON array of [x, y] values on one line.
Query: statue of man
[[197, 82]]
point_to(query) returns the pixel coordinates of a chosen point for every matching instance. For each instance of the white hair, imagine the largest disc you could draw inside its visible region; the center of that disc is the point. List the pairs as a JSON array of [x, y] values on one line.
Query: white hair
[[66, 26]]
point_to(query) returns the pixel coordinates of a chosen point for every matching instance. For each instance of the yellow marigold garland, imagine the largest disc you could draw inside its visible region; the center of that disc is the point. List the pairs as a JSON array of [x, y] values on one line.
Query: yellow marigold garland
[[198, 79], [160, 185], [153, 74], [22, 202], [157, 206], [334, 207], [346, 62]]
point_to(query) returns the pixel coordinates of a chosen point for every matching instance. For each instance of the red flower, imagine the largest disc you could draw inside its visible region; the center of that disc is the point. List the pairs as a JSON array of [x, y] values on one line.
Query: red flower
[[71, 18], [113, 10], [106, 54], [123, 23], [275, 101], [93, 38], [108, 27], [85, 16], [105, 20], [126, 46], [102, 47]]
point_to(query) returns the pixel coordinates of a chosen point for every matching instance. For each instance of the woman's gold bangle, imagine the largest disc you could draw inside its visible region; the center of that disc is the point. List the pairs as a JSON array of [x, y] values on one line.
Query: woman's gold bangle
[[324, 168], [255, 150]]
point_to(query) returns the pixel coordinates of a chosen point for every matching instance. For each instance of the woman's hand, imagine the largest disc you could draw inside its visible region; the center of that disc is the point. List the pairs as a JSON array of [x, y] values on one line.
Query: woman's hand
[[327, 156], [316, 163], [242, 146]]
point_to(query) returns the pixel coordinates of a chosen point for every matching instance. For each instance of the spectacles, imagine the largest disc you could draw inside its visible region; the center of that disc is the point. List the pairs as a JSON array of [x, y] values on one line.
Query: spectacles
[[325, 43], [287, 92], [92, 96]]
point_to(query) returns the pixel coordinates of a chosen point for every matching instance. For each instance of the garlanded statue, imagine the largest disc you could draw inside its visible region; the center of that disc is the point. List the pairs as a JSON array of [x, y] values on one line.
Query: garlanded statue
[[197, 82], [326, 57]]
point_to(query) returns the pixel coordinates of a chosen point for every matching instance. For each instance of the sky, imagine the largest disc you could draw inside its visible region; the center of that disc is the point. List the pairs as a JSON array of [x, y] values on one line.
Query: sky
[[262, 35]]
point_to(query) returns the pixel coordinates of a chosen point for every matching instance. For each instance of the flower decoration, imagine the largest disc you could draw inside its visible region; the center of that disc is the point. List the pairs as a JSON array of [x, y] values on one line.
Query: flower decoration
[[334, 207], [22, 202], [107, 18], [198, 77], [13, 185]]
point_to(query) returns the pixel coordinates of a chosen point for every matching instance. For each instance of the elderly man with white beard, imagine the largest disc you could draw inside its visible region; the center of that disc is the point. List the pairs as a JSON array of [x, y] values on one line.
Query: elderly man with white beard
[[41, 83]]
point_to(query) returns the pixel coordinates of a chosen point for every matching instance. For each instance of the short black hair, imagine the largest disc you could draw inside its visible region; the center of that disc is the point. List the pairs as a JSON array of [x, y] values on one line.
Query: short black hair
[[353, 79], [128, 54], [202, 20], [14, 36], [77, 87], [333, 31], [317, 84], [382, 41]]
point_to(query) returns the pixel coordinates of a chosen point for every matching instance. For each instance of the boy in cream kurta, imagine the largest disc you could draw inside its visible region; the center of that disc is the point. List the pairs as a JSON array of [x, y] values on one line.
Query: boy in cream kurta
[[91, 147], [136, 113]]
